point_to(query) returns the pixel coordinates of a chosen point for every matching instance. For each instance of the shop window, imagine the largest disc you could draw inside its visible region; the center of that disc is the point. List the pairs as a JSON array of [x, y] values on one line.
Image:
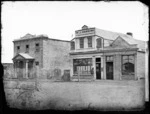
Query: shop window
[[72, 45], [81, 42], [27, 48], [128, 65], [37, 47], [89, 41], [83, 66]]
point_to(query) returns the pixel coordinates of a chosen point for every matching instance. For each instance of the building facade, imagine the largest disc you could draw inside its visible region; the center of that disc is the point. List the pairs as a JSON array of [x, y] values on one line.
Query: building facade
[[103, 55], [40, 56], [93, 54]]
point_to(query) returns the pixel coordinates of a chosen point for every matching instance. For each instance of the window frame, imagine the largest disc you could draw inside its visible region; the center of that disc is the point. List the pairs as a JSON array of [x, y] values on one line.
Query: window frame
[[72, 45], [37, 47], [128, 61], [27, 48], [89, 38], [37, 63], [83, 64], [18, 49], [81, 42], [97, 43], [109, 58]]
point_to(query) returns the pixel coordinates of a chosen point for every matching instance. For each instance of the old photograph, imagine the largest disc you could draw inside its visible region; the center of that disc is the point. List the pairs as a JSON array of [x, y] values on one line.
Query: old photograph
[[75, 55]]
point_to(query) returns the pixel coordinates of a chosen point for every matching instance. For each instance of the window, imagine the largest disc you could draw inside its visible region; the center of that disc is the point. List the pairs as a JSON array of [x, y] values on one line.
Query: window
[[72, 45], [128, 65], [109, 58], [89, 41], [98, 59], [36, 63], [37, 47], [83, 66], [99, 43], [81, 42], [18, 49], [27, 48]]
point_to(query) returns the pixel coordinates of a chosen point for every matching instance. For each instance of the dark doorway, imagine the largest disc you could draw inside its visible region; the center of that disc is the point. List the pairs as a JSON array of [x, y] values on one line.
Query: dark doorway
[[98, 70], [109, 70], [20, 69]]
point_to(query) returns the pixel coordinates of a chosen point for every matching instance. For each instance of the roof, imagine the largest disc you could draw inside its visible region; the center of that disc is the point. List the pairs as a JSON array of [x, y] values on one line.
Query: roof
[[30, 36], [24, 55]]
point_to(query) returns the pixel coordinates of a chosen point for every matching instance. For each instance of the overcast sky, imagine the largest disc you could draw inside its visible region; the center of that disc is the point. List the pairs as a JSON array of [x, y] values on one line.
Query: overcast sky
[[60, 20]]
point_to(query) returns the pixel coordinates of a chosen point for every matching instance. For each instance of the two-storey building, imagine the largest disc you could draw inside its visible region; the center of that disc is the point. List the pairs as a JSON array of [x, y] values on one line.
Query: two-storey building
[[40, 56], [104, 55]]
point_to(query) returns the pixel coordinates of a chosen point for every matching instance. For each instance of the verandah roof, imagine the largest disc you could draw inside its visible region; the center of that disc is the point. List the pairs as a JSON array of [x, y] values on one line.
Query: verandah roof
[[23, 56]]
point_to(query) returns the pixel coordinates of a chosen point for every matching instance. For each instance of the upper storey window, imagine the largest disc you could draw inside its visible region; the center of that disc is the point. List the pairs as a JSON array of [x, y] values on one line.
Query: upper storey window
[[27, 48], [99, 43], [37, 47], [18, 49], [81, 42], [72, 45], [89, 41]]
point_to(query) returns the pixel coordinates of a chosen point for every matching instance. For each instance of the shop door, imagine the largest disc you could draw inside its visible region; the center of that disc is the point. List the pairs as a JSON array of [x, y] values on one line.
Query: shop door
[[98, 70], [109, 70]]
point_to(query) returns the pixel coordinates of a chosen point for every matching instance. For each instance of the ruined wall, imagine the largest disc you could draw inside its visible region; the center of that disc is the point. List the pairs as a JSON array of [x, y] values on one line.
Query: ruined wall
[[8, 70], [56, 58], [140, 64]]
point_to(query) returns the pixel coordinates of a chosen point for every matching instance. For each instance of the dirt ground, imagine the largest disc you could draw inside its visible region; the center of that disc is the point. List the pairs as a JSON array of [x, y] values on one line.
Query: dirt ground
[[91, 95]]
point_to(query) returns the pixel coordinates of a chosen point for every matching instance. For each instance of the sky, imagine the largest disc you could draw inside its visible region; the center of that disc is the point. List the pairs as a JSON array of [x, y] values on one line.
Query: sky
[[59, 20]]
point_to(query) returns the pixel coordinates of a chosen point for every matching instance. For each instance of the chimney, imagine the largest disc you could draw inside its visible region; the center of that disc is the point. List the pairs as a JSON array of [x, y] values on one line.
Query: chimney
[[130, 34]]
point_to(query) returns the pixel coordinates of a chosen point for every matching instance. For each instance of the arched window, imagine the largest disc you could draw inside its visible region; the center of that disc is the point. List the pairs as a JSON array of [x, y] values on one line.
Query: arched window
[[128, 65]]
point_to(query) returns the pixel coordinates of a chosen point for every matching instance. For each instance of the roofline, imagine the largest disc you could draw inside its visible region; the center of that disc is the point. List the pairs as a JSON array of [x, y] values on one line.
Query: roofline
[[103, 51], [93, 35], [88, 28], [21, 56], [17, 40], [58, 40], [44, 38]]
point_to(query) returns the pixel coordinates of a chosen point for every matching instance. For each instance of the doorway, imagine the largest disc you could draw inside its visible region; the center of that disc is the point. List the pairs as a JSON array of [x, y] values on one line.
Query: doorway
[[20, 69], [109, 70], [98, 68]]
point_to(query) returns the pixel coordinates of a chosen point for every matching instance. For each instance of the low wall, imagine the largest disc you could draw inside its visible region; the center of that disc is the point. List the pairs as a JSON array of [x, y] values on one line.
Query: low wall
[[96, 95]]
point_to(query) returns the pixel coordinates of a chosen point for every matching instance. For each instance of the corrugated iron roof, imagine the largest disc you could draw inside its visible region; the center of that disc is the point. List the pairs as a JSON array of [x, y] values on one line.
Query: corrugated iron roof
[[26, 56], [113, 35]]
